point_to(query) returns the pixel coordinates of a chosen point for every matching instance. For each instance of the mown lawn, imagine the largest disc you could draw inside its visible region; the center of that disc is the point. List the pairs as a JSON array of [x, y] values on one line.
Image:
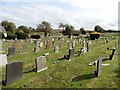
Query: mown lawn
[[66, 74]]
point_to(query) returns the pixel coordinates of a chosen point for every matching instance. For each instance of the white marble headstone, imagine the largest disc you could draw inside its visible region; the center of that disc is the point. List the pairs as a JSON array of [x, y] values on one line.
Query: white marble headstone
[[3, 60]]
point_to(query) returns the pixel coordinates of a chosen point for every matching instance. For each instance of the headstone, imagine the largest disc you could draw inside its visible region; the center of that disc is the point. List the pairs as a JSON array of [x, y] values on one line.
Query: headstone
[[99, 67], [60, 45], [111, 56], [36, 49], [14, 72], [87, 45], [81, 51], [56, 49], [41, 44], [41, 63], [24, 46], [11, 51], [53, 44], [48, 45], [3, 60], [70, 55]]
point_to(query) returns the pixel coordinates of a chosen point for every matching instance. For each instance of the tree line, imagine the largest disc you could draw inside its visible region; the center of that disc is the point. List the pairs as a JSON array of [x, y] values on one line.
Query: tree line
[[23, 31]]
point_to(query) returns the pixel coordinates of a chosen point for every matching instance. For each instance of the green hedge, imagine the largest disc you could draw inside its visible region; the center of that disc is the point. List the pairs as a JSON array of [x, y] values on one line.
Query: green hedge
[[21, 35], [11, 36]]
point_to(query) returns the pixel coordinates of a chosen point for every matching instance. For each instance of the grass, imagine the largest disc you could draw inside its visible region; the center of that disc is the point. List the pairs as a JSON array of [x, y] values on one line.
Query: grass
[[66, 74]]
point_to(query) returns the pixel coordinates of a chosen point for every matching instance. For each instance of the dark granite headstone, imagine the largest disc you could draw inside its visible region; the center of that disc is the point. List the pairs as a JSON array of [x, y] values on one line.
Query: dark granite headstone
[[41, 63], [99, 67], [11, 51], [14, 72]]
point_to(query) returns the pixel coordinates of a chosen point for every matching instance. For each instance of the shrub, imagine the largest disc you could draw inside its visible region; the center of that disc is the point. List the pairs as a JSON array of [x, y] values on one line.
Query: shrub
[[11, 36], [35, 36], [21, 35]]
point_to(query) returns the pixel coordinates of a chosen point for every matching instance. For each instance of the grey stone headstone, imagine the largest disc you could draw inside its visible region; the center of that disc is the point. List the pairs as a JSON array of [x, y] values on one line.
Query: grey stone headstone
[[11, 51], [56, 49], [71, 53], [14, 71], [41, 63], [3, 60], [24, 46], [99, 66]]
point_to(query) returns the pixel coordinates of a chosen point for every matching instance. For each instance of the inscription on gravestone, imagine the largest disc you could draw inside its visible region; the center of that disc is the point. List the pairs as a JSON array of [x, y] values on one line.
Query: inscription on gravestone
[[14, 72], [41, 64]]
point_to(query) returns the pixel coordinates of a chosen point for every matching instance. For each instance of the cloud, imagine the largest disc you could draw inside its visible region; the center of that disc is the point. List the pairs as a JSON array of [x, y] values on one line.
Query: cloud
[[82, 13]]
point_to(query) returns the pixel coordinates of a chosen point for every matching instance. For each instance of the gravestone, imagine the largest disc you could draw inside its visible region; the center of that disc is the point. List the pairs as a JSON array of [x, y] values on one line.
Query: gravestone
[[14, 72], [48, 45], [24, 46], [81, 51], [56, 49], [11, 51], [111, 56], [70, 44], [60, 45], [36, 49], [70, 55], [99, 67], [41, 63], [87, 45], [53, 44], [41, 44], [3, 60]]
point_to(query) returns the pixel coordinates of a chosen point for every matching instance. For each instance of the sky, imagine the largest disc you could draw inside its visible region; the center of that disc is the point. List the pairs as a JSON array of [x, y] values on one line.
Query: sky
[[78, 13]]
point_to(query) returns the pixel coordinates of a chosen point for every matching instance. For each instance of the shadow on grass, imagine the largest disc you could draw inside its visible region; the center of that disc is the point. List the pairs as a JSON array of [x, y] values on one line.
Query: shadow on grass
[[33, 70], [105, 59], [83, 77]]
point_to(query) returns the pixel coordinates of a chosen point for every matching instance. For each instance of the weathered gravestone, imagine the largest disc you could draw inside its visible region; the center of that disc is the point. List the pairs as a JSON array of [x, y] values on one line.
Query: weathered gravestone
[[14, 72], [3, 60], [41, 63], [99, 67], [11, 51], [70, 55], [56, 49], [24, 46]]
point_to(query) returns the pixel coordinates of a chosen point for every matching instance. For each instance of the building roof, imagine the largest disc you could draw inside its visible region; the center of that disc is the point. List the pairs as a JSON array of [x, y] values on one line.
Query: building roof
[[2, 29]]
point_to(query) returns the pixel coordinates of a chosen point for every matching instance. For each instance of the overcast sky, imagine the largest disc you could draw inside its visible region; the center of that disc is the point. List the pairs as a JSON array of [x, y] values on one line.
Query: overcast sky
[[79, 13]]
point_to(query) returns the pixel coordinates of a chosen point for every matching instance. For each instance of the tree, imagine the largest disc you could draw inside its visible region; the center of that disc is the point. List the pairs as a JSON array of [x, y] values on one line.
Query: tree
[[82, 31], [23, 28], [98, 29], [9, 26], [61, 25], [44, 27], [68, 30]]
